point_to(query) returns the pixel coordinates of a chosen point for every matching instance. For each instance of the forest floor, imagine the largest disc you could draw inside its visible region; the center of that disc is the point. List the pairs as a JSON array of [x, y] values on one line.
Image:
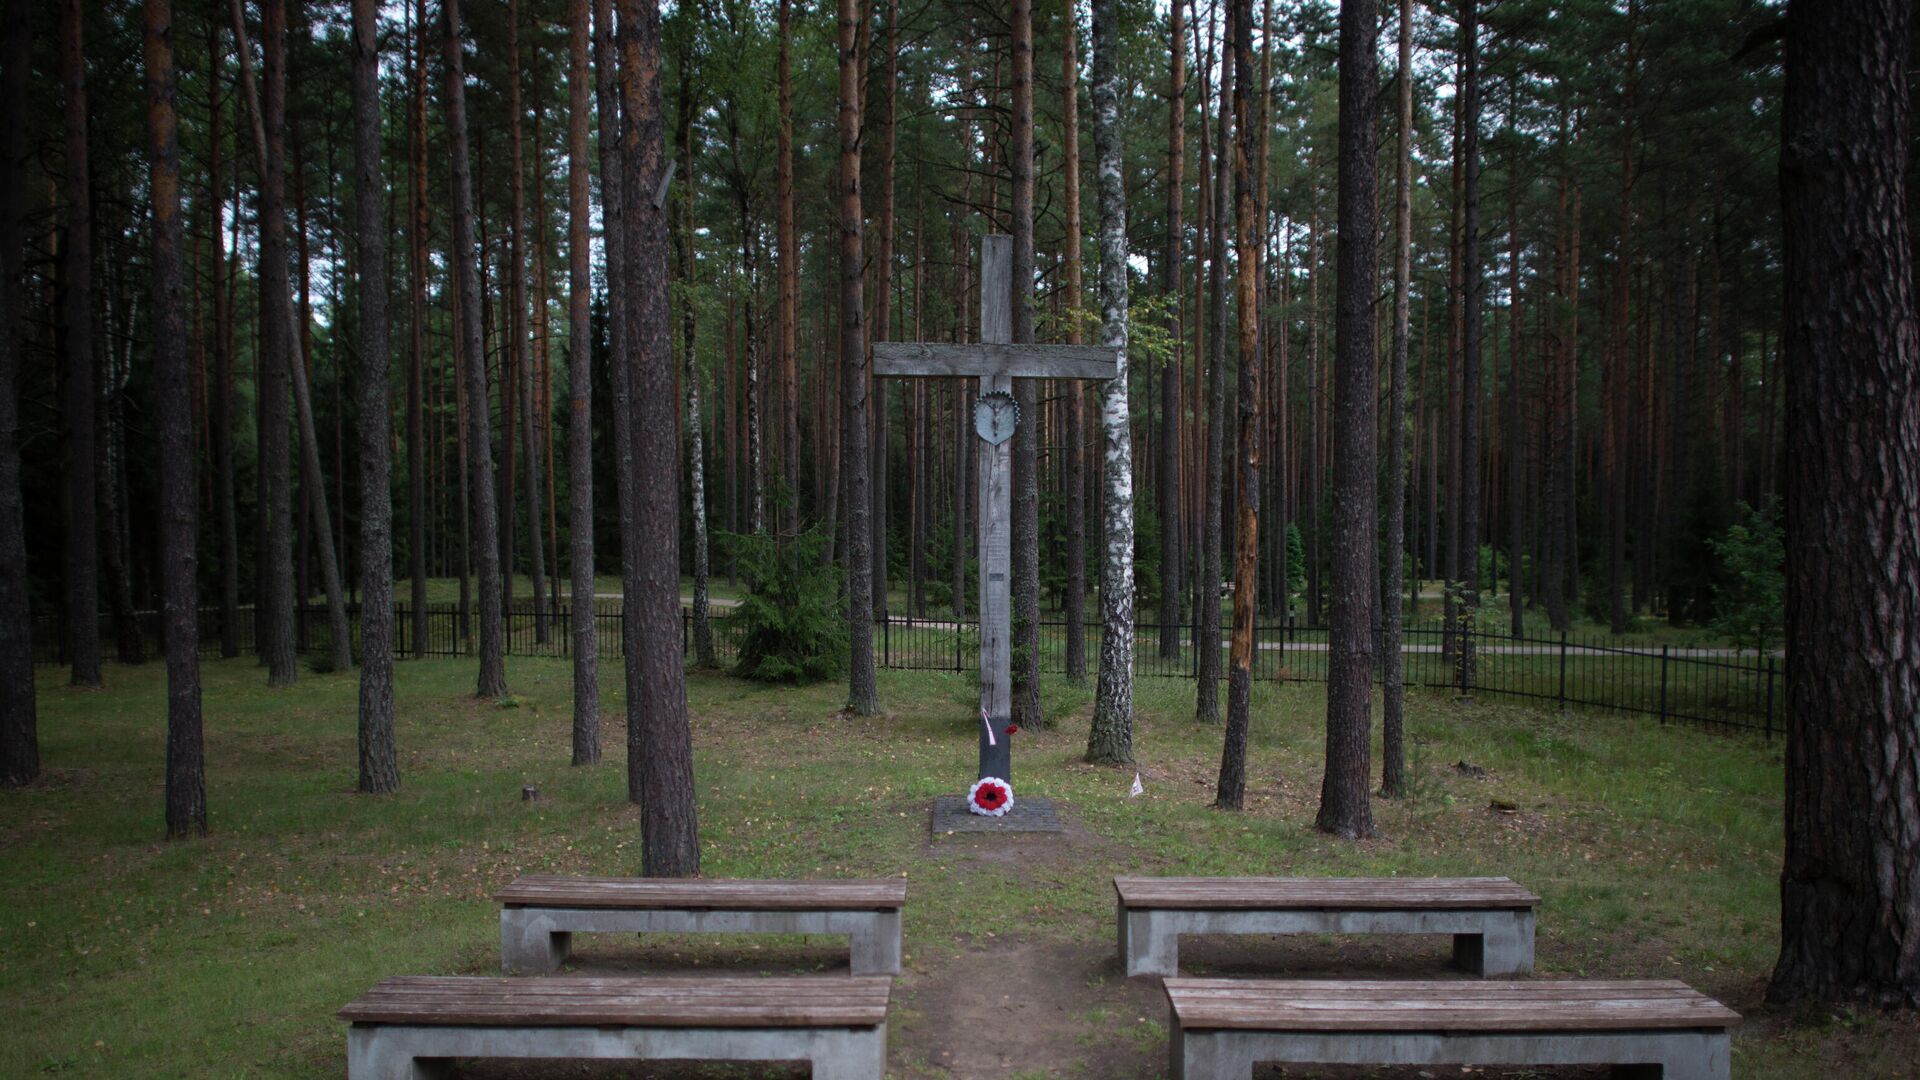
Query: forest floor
[[1656, 852]]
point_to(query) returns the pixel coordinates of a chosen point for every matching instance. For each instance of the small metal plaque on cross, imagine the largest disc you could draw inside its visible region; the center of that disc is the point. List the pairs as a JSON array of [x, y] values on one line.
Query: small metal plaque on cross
[[995, 416], [996, 362]]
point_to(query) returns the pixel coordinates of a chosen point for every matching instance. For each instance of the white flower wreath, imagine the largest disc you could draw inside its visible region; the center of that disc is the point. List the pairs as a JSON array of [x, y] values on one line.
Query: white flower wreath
[[996, 787]]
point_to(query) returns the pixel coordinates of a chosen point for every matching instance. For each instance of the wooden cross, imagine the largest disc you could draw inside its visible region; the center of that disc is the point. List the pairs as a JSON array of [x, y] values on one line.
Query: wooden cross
[[997, 362]]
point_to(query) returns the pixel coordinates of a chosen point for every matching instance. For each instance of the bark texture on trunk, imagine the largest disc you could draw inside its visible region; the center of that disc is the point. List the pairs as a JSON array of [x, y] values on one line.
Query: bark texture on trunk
[[485, 524], [1206, 631], [1172, 557], [521, 343], [1393, 764], [1026, 470], [379, 770], [787, 250], [613, 186], [1850, 888], [78, 406], [1345, 788], [1231, 791], [586, 643], [1110, 739], [19, 717], [1469, 472], [173, 393], [659, 742], [220, 415], [418, 226], [881, 326], [1076, 471], [862, 693]]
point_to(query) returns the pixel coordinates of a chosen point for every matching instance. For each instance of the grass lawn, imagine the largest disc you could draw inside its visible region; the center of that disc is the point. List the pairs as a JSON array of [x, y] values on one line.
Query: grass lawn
[[1656, 853]]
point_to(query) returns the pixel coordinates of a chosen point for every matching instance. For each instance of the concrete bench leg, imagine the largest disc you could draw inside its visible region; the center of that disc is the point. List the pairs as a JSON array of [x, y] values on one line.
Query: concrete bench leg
[[852, 1055], [1207, 1055], [1710, 1058], [1148, 946], [529, 945], [374, 1054], [1506, 948], [876, 949]]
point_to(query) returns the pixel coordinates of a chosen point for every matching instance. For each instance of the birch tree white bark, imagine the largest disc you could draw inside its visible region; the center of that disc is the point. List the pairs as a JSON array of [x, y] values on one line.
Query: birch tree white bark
[[1111, 737]]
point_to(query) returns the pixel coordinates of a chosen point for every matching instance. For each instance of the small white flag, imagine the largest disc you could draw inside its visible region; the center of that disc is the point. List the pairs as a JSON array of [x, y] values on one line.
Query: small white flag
[[1139, 789], [988, 724]]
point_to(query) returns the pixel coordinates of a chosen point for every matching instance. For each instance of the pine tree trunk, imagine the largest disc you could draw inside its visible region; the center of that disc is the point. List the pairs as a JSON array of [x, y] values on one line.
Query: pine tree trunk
[[750, 339], [1850, 888], [485, 524], [963, 456], [586, 643], [1615, 450], [1110, 739], [659, 745], [173, 393], [82, 547], [881, 327], [788, 252], [1516, 473], [1172, 528], [1231, 791], [862, 693], [110, 461], [19, 717], [1344, 807], [519, 339], [1393, 765], [1076, 468], [220, 393], [1025, 540], [273, 475], [1470, 463], [379, 771], [1206, 636], [417, 231], [613, 208]]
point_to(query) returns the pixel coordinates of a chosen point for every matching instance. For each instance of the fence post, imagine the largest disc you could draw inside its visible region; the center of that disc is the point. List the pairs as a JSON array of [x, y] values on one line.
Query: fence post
[[1563, 669], [1664, 650], [1769, 698]]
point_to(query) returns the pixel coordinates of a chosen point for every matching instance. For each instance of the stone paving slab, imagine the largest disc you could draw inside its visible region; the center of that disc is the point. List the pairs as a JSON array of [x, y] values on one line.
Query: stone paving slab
[[1030, 814]]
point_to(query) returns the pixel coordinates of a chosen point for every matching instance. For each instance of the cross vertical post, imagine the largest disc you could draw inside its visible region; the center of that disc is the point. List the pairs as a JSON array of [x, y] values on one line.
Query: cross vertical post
[[996, 521]]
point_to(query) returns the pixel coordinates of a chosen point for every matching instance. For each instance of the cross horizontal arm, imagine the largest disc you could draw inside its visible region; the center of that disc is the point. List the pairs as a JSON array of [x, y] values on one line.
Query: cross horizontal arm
[[1018, 361]]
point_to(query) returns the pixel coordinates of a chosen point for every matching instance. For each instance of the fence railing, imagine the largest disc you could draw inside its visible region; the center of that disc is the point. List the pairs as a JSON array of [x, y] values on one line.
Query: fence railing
[[1706, 687]]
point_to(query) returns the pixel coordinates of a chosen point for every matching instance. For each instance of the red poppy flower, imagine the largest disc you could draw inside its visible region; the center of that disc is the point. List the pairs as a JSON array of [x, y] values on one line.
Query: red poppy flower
[[990, 797], [1012, 728]]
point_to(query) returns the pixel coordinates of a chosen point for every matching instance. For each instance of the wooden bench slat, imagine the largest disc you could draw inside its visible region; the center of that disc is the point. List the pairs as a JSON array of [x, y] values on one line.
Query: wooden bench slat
[[798, 1001], [1359, 894], [552, 890], [1454, 1006]]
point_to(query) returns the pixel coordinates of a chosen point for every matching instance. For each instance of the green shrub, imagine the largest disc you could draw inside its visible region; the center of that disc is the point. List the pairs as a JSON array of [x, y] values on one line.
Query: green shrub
[[790, 626], [1751, 602]]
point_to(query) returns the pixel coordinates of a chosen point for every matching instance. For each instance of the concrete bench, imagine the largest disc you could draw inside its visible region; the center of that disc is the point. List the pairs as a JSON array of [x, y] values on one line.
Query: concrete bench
[[406, 1028], [1221, 1027], [540, 913], [1491, 919]]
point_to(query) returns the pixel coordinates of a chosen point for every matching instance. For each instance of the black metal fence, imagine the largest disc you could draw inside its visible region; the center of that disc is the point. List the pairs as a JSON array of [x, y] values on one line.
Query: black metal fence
[[1706, 687]]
